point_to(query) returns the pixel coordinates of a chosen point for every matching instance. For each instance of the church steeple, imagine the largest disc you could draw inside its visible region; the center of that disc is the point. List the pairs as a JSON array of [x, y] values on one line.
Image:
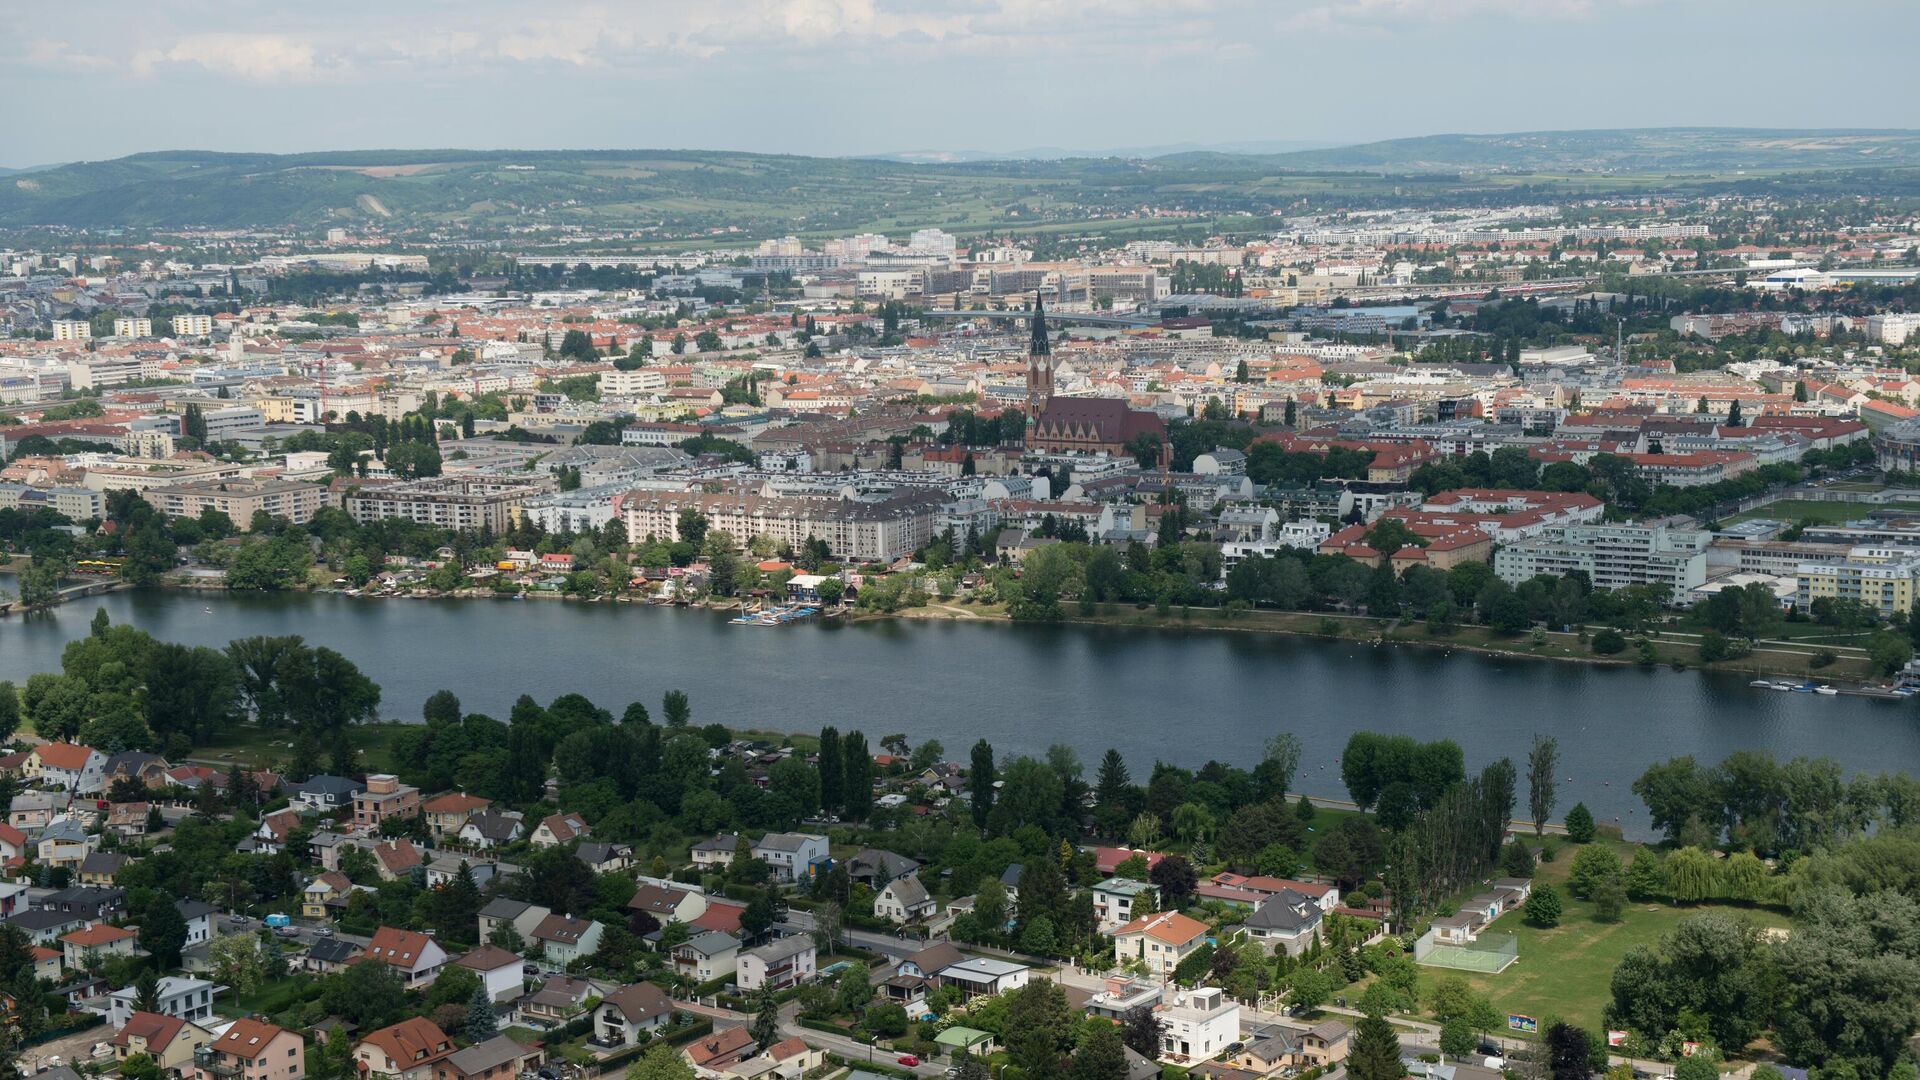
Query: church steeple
[[1039, 364]]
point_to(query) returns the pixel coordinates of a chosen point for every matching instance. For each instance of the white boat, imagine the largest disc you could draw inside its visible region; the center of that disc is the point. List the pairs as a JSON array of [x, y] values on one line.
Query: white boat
[[1761, 684], [1827, 690]]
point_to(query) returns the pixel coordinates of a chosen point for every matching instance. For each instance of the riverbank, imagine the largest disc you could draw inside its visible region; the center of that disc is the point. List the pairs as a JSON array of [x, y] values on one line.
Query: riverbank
[[1779, 660]]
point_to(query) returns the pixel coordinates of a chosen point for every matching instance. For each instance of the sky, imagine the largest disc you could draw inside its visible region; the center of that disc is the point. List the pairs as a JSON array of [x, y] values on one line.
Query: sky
[[102, 78]]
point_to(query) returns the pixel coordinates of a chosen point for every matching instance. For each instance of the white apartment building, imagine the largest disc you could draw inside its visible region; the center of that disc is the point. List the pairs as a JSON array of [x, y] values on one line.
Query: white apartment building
[[1198, 1025], [72, 329], [888, 284], [1893, 328], [879, 530], [1612, 556], [635, 383], [451, 503], [192, 325], [125, 327]]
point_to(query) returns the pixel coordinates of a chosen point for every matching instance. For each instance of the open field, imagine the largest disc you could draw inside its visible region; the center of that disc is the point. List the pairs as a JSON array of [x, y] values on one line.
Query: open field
[[1821, 513], [1567, 971]]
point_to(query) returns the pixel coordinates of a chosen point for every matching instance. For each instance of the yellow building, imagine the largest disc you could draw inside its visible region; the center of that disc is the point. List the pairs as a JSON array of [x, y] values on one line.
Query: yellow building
[[1881, 578]]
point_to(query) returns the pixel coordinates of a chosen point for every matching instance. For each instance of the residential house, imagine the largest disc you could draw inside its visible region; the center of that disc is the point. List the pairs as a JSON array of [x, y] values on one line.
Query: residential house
[[984, 976], [668, 905], [487, 829], [716, 851], [44, 927], [792, 856], [128, 819], [252, 1050], [559, 1000], [498, 1058], [168, 1040], [1121, 995], [37, 809], [1287, 922], [790, 1059], [385, 797], [1106, 860], [330, 954], [408, 1050], [185, 998], [327, 846], [1197, 1025], [96, 942], [714, 1053], [518, 914], [80, 769], [396, 858], [778, 964], [1117, 900], [148, 770], [14, 898], [416, 957], [328, 888], [446, 813], [326, 794], [1010, 886], [101, 867], [567, 938], [1287, 1046], [605, 858], [873, 867], [499, 971], [47, 963], [271, 834], [1460, 928], [930, 961], [89, 902], [1159, 941], [721, 915], [557, 829], [630, 1015], [66, 843], [903, 900], [706, 956], [13, 847], [198, 915]]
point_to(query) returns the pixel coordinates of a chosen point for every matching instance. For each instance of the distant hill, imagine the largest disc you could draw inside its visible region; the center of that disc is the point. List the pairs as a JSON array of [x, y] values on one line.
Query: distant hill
[[686, 194], [1625, 150]]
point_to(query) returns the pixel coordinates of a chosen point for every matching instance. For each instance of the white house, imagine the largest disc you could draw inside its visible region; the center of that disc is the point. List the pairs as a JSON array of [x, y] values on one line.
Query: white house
[[631, 1014], [1117, 900], [414, 956], [499, 972], [1285, 922], [984, 975], [63, 765], [707, 956], [792, 856], [188, 999], [567, 938], [1160, 941], [904, 900], [779, 964], [1198, 1025]]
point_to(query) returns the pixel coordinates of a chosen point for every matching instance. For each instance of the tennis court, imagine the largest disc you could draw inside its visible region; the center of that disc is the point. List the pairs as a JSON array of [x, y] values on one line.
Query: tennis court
[[1490, 955]]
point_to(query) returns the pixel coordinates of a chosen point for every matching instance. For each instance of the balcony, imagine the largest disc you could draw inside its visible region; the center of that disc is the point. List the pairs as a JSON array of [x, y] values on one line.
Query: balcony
[[219, 1065]]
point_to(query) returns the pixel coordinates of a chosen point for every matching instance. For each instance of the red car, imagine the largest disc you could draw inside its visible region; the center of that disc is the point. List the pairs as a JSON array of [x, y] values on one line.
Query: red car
[[908, 1059]]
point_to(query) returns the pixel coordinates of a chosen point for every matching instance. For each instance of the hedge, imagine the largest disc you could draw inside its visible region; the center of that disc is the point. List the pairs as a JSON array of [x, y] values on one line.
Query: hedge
[[70, 1023]]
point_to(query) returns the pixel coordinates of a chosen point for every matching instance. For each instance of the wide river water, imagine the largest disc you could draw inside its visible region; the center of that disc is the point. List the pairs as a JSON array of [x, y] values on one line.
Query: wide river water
[[1177, 696]]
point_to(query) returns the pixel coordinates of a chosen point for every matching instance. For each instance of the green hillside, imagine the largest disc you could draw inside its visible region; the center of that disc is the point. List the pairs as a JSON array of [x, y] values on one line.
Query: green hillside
[[688, 196]]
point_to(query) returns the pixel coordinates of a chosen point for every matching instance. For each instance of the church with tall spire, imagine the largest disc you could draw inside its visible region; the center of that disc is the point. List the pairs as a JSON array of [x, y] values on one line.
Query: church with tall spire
[[1076, 425]]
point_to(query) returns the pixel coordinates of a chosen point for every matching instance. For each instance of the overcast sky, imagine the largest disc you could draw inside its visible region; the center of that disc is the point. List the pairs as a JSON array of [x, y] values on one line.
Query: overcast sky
[[101, 78]]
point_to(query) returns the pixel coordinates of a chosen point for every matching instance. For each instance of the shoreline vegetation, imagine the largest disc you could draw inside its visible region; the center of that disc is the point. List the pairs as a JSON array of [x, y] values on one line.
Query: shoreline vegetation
[[1677, 650]]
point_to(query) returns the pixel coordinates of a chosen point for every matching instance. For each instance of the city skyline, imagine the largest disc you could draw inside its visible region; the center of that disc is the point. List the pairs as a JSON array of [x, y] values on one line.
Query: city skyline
[[996, 76]]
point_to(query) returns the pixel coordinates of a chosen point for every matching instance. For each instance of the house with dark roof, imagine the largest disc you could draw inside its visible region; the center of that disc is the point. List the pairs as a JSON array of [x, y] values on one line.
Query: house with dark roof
[[486, 829], [567, 938], [874, 867], [604, 858], [630, 1015], [498, 1058], [326, 794], [903, 900], [1286, 922], [329, 954], [499, 971]]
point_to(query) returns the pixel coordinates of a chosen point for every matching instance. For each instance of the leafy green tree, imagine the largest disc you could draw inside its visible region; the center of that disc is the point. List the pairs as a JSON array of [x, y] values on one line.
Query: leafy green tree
[[1591, 864], [663, 1062], [163, 932], [1542, 759], [1101, 1054], [1457, 1040], [1543, 906], [1713, 966]]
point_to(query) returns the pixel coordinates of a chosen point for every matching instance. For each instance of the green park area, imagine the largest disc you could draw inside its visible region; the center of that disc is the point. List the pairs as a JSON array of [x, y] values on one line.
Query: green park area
[[1820, 513], [1566, 971]]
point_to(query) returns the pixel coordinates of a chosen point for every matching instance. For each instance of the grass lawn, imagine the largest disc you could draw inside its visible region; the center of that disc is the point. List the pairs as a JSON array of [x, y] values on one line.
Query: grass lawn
[[251, 745], [1567, 971], [269, 998], [1824, 513]]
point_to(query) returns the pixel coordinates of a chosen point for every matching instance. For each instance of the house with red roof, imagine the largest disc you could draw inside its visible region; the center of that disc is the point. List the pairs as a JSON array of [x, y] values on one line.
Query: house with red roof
[[407, 1050], [64, 765], [416, 957], [253, 1050], [168, 1040], [1159, 941]]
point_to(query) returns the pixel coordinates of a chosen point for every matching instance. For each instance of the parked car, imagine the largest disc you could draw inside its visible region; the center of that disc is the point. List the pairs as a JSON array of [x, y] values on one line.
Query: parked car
[[908, 1059]]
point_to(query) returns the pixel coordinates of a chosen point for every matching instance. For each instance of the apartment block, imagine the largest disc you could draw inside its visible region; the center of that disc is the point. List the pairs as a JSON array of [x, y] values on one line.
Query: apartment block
[[1612, 556]]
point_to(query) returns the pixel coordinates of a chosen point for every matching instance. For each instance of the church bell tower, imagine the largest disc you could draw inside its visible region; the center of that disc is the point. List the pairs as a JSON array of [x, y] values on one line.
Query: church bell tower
[[1039, 365]]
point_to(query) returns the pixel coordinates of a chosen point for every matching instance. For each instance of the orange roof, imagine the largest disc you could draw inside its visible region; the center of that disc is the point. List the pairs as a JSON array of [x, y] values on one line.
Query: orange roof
[[64, 755], [400, 948], [155, 1029], [246, 1038], [97, 935], [1168, 926], [412, 1042], [455, 802]]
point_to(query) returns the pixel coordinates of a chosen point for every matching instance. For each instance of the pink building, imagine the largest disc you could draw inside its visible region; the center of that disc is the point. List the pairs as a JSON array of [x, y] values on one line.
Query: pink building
[[252, 1050]]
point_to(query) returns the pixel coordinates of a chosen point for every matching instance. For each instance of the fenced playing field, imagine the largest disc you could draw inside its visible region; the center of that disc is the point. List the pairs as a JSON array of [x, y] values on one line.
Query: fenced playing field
[[1490, 955]]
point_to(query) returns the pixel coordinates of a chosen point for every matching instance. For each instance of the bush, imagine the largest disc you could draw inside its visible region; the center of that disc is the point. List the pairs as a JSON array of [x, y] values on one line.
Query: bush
[[1609, 642], [1609, 899], [1593, 864], [1825, 658]]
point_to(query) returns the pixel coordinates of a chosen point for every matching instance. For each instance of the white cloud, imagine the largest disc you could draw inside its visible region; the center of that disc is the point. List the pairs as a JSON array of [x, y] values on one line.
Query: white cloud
[[259, 58], [62, 56]]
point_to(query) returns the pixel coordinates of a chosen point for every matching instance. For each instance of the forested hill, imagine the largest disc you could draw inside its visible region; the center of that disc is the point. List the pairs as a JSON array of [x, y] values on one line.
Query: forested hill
[[681, 194]]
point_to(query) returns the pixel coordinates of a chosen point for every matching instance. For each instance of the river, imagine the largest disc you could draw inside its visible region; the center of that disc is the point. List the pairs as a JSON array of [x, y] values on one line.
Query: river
[[1178, 696]]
